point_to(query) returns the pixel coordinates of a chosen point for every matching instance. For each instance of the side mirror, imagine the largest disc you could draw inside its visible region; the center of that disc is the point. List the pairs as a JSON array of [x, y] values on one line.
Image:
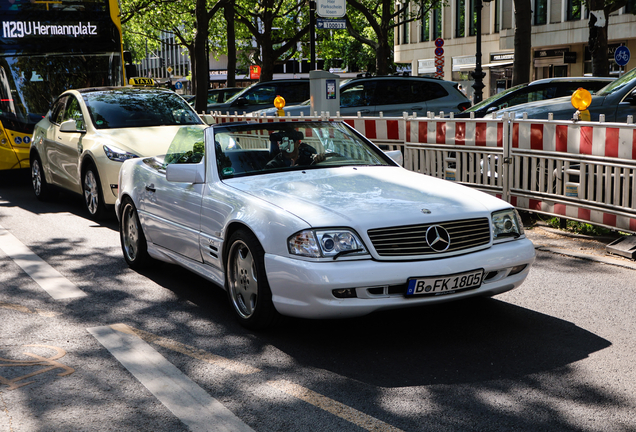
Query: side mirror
[[71, 127]]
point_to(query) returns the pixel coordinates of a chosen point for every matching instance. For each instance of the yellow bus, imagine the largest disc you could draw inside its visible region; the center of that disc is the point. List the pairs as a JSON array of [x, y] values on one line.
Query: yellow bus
[[47, 47]]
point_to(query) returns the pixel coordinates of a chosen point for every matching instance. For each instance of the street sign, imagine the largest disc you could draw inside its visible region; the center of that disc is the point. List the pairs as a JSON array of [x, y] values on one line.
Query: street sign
[[439, 42], [622, 55], [178, 85], [331, 8], [439, 51], [331, 24]]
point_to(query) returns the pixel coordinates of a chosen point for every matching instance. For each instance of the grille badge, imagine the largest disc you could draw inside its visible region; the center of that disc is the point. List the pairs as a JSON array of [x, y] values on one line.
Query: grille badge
[[426, 211], [438, 238]]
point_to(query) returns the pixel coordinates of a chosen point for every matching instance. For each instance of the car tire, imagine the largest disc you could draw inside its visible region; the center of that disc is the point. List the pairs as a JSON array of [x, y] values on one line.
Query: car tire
[[40, 186], [132, 238], [92, 192], [246, 282]]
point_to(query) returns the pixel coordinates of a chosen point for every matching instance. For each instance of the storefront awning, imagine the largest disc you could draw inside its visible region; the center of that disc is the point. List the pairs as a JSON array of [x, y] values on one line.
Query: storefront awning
[[498, 64]]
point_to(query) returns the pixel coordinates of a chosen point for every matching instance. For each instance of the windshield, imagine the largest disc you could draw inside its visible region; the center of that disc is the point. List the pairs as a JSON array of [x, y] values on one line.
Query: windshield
[[264, 148], [491, 99], [618, 84], [29, 84], [129, 107]]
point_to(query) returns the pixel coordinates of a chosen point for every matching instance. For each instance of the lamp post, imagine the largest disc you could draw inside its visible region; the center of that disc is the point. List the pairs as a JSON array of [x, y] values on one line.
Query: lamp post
[[479, 74]]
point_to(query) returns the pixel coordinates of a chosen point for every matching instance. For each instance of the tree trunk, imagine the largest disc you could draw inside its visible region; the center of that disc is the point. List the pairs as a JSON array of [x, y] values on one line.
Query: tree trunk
[[267, 57], [523, 42], [228, 12], [598, 38], [201, 68]]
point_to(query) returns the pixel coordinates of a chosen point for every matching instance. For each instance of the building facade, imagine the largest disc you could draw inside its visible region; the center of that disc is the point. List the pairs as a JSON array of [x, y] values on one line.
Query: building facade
[[559, 41]]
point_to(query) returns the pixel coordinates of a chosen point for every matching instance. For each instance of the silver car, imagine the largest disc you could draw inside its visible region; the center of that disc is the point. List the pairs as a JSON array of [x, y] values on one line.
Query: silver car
[[310, 219], [392, 96]]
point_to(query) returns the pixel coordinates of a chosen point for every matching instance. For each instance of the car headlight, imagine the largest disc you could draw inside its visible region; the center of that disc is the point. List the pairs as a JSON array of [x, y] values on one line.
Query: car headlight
[[116, 154], [326, 243], [506, 223]]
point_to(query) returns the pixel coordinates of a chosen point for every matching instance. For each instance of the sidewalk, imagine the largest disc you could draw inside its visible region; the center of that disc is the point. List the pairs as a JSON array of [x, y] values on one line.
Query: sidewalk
[[548, 239]]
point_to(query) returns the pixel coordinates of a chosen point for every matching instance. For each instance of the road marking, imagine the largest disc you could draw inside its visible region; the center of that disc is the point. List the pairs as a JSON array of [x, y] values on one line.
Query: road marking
[[25, 309], [49, 279], [334, 407], [50, 364], [193, 352], [316, 399], [182, 396]]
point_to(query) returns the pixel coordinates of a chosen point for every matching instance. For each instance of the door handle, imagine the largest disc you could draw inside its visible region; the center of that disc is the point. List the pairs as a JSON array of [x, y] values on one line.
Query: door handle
[[151, 188]]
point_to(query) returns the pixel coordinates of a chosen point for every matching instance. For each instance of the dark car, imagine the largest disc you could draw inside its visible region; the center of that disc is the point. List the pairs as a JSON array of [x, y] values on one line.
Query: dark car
[[548, 88], [616, 101], [392, 96], [261, 95], [217, 96]]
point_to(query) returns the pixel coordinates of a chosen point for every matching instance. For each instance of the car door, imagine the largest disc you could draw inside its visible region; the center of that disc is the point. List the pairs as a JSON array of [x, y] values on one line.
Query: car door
[[172, 209], [64, 148], [357, 96]]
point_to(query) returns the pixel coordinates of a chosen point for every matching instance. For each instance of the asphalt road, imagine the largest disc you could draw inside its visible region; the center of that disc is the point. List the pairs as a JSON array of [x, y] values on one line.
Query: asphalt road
[[160, 350]]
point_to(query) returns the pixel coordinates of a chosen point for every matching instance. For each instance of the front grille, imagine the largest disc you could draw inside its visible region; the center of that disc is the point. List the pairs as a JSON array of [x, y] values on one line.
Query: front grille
[[411, 240]]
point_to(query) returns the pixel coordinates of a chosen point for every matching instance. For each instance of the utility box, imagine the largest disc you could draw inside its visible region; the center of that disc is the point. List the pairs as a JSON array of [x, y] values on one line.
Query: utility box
[[324, 88]]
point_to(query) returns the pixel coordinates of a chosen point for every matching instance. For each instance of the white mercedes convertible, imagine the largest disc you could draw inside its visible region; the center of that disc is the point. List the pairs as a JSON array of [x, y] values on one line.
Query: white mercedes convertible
[[311, 219]]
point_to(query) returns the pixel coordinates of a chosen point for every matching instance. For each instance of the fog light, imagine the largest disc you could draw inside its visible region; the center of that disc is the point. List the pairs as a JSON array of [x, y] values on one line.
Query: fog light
[[344, 293], [517, 269]]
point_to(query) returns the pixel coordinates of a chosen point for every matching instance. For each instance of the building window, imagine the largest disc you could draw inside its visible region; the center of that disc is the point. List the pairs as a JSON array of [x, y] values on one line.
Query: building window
[[541, 11], [497, 16], [630, 7], [406, 28], [574, 10], [437, 23], [472, 24], [425, 28], [460, 18]]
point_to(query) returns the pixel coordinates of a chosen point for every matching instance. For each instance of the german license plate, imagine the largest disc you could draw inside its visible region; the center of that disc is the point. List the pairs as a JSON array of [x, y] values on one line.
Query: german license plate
[[449, 284]]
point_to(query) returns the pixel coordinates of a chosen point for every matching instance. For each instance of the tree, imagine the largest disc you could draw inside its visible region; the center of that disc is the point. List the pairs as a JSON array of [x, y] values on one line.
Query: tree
[[261, 18], [383, 16], [600, 11], [147, 18], [523, 42]]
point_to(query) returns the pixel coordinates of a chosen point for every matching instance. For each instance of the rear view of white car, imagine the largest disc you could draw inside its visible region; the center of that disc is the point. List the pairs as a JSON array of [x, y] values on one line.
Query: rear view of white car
[[310, 219]]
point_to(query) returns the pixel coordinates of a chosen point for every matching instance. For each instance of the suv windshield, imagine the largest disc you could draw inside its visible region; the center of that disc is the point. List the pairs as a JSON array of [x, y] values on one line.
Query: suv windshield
[[129, 107], [263, 148]]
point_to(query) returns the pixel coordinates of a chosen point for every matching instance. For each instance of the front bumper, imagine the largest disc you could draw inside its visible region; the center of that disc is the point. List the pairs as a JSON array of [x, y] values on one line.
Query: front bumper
[[304, 288]]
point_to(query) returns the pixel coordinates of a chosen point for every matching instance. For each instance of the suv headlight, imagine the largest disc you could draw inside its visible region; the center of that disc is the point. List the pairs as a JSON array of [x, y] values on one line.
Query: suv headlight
[[506, 223], [118, 155], [326, 243]]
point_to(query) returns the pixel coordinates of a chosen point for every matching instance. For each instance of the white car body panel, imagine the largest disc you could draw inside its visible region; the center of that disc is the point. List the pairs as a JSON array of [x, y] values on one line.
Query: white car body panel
[[187, 223]]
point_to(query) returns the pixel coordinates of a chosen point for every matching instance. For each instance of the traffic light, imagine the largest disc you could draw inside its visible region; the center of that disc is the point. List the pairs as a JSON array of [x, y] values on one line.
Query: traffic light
[[162, 61]]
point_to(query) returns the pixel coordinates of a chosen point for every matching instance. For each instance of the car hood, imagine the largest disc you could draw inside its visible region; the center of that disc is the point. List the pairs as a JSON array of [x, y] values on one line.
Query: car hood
[[146, 141], [367, 197]]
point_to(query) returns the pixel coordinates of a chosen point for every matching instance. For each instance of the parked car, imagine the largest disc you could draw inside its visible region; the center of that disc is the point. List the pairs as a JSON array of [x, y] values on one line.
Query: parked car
[[391, 96], [311, 219], [217, 96], [547, 88], [83, 140], [616, 101], [261, 95]]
